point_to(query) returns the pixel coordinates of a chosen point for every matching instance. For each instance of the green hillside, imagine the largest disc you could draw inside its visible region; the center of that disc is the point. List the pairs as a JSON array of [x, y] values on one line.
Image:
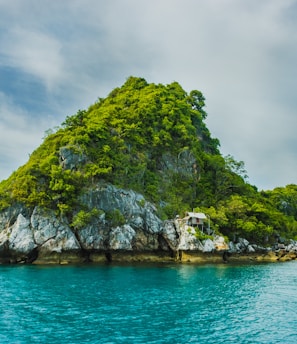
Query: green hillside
[[151, 138]]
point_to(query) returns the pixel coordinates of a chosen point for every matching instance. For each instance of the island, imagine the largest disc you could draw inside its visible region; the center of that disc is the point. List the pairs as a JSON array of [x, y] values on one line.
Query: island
[[138, 177]]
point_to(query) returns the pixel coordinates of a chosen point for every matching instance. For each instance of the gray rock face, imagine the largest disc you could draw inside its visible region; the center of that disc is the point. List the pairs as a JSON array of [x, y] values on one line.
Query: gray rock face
[[63, 241], [188, 240], [126, 222], [292, 246], [50, 234], [9, 216], [243, 246], [71, 157], [92, 237], [44, 225], [41, 230], [121, 238], [21, 236], [17, 240], [171, 235], [136, 211], [140, 230], [180, 236], [208, 246]]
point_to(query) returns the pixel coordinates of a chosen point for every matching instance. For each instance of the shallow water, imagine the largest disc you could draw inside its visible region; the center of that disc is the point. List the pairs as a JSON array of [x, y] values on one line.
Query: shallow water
[[149, 304]]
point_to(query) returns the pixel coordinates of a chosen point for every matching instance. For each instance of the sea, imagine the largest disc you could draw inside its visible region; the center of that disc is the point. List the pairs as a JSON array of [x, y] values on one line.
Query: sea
[[222, 303]]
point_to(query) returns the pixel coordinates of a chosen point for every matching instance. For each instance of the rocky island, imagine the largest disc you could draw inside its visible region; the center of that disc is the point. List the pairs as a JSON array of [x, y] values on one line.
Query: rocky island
[[115, 182]]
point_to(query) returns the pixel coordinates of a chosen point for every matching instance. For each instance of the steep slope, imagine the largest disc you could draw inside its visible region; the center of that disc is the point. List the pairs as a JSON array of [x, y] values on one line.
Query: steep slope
[[120, 168], [146, 137]]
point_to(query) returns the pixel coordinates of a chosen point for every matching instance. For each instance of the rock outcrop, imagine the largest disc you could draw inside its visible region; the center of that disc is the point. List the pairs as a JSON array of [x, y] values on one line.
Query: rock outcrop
[[40, 236]]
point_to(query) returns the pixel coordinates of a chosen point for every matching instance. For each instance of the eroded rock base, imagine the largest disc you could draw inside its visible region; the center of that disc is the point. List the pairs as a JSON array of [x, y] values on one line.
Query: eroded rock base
[[181, 257]]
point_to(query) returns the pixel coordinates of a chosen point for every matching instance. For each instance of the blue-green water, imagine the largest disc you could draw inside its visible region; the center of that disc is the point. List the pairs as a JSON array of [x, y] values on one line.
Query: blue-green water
[[149, 304]]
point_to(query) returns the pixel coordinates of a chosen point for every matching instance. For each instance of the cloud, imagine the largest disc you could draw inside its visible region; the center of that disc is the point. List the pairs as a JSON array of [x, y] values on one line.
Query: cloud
[[61, 56], [37, 54], [20, 135]]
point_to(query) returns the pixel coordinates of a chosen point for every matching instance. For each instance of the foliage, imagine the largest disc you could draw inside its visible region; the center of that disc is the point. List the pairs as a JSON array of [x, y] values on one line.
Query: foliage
[[151, 138], [84, 217], [285, 199], [202, 236], [115, 218]]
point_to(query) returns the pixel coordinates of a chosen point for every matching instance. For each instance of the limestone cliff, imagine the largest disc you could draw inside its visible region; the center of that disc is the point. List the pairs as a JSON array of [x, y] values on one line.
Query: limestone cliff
[[40, 236]]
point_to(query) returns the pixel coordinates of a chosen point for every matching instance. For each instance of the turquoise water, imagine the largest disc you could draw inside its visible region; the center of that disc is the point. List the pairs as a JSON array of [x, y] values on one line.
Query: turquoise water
[[149, 304]]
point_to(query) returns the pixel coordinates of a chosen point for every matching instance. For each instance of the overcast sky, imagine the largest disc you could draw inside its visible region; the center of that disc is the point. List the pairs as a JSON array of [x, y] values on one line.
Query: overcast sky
[[59, 56]]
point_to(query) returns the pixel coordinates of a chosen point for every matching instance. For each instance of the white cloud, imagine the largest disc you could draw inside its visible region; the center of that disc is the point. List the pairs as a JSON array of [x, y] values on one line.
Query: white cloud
[[20, 135], [240, 54], [35, 53]]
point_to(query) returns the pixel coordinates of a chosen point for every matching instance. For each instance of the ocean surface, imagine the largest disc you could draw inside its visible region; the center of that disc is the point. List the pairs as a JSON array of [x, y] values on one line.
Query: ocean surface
[[149, 304]]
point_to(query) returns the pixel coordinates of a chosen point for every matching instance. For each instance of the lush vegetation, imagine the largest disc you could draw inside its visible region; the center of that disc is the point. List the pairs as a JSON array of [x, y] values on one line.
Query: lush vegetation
[[153, 139]]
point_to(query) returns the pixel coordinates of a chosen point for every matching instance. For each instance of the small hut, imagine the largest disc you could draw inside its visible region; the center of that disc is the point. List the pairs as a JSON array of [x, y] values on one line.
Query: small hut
[[195, 220]]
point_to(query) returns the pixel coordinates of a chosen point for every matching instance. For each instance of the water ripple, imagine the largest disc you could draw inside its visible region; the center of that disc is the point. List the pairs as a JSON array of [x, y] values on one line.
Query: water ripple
[[147, 304]]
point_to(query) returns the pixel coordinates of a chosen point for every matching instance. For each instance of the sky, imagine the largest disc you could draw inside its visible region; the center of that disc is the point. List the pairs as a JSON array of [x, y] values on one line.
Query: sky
[[57, 57]]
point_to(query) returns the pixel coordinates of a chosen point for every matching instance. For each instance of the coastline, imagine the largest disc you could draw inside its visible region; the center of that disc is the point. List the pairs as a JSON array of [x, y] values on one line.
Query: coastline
[[156, 257]]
